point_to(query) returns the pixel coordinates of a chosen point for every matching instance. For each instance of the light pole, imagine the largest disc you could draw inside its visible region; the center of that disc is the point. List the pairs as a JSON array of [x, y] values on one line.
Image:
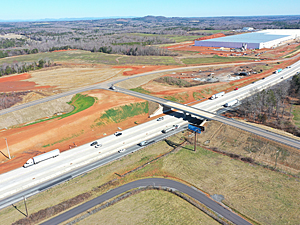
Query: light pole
[[7, 148]]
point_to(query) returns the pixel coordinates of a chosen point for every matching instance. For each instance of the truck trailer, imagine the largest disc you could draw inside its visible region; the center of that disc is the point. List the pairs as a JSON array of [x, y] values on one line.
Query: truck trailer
[[40, 158], [170, 128], [278, 71], [231, 103], [217, 95]]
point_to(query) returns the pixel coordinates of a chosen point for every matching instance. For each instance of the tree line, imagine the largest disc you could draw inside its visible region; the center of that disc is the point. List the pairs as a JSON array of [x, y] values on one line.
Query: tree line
[[19, 67], [273, 106]]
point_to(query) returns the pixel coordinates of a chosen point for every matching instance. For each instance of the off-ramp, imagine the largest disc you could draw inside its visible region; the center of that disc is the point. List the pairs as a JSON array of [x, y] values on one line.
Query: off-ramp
[[157, 182]]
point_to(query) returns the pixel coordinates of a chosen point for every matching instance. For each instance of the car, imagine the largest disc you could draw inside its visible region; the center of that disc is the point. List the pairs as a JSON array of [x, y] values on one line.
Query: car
[[288, 67], [117, 134], [143, 143], [176, 126], [98, 145], [122, 150], [94, 143], [236, 89], [253, 82], [281, 77], [263, 78], [160, 118]]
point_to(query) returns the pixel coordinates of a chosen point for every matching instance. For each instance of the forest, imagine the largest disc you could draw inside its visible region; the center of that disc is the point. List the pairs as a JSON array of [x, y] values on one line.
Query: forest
[[128, 36], [273, 106]]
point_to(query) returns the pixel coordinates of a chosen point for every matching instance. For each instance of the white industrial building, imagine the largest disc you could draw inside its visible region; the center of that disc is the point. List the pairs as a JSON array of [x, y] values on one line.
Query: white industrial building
[[254, 40]]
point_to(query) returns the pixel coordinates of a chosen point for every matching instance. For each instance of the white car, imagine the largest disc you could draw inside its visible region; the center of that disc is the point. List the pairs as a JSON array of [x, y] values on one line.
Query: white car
[[122, 150]]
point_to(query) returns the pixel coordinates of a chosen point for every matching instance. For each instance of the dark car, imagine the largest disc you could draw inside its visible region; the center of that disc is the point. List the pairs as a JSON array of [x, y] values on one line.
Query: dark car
[[117, 134], [94, 143]]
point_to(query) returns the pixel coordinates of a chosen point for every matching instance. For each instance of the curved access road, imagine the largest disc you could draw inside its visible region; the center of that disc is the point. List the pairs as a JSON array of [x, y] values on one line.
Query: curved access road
[[191, 191]]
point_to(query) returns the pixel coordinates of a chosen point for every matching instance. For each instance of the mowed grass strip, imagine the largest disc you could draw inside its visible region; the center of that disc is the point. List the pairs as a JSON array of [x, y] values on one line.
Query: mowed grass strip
[[215, 59], [119, 114], [150, 207], [141, 90], [79, 102]]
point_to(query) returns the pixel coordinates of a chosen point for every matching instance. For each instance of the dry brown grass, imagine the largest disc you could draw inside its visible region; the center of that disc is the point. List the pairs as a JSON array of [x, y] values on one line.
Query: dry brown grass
[[67, 78], [150, 207]]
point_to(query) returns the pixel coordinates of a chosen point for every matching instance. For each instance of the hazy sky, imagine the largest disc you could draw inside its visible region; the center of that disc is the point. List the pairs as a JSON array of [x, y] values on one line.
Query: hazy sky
[[39, 9]]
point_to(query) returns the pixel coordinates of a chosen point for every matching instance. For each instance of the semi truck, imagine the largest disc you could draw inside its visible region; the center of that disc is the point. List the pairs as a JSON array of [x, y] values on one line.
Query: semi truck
[[218, 95], [40, 158], [171, 128], [278, 71], [231, 103]]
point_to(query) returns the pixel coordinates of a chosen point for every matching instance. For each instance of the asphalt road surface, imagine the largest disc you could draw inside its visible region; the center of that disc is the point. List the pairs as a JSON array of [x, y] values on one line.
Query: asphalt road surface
[[158, 182], [211, 116]]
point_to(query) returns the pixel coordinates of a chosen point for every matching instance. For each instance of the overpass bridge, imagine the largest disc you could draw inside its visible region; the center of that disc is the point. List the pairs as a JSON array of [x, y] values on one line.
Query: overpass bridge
[[212, 116]]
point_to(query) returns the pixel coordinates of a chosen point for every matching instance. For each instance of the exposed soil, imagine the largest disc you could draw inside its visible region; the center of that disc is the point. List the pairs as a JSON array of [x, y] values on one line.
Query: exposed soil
[[17, 83], [132, 70], [26, 142]]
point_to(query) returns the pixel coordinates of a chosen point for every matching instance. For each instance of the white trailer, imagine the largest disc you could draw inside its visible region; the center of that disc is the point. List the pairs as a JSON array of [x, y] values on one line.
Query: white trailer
[[40, 158], [218, 95], [171, 128], [231, 103]]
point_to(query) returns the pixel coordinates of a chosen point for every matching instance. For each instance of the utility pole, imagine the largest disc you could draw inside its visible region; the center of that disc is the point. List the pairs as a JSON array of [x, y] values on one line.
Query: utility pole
[[195, 142], [277, 153], [25, 206], [7, 148]]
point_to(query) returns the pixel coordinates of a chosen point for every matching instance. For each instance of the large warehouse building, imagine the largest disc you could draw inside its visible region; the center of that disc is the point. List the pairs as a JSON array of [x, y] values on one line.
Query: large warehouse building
[[254, 40]]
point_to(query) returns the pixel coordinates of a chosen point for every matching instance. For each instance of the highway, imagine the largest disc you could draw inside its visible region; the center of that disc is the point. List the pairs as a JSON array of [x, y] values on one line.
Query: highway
[[75, 162], [29, 181], [157, 182]]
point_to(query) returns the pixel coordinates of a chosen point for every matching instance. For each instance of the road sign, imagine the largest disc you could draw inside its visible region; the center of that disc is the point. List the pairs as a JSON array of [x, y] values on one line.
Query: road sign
[[195, 128]]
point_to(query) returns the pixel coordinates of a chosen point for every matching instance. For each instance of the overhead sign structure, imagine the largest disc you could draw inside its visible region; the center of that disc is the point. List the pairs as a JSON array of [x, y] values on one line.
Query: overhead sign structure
[[195, 128]]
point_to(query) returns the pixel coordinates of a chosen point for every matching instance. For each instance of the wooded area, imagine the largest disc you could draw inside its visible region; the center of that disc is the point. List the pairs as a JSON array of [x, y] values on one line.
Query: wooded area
[[273, 106], [130, 36]]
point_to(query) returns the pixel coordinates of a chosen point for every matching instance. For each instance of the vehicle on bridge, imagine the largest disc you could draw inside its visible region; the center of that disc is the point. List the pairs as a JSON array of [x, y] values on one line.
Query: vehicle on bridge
[[218, 95], [231, 103], [170, 128], [40, 158]]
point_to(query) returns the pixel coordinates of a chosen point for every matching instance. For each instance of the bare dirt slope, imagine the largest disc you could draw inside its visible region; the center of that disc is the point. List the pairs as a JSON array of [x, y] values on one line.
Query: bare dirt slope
[[32, 113]]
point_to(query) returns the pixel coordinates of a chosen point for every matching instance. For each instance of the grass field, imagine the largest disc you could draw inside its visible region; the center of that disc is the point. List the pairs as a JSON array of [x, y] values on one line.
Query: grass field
[[215, 59], [148, 60], [117, 115], [79, 102], [150, 207], [140, 90], [180, 97], [296, 113], [80, 56]]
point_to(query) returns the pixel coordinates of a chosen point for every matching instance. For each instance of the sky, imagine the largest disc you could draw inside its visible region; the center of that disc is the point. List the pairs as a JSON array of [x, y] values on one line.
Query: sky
[[56, 9]]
